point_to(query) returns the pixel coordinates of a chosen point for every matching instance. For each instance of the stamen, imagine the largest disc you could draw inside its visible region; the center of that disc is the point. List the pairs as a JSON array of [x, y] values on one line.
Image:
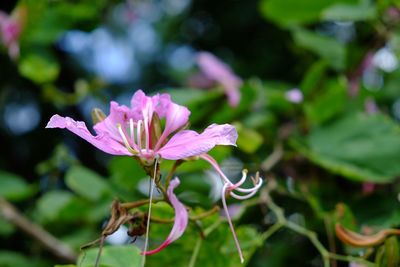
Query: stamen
[[241, 181], [146, 131], [139, 135], [213, 163], [249, 190], [224, 188], [233, 194], [131, 129], [127, 145]]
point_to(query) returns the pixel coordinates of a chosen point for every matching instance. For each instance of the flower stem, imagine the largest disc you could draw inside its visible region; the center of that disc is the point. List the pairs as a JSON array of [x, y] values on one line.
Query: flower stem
[[172, 171], [205, 214], [195, 252], [312, 236], [139, 203]]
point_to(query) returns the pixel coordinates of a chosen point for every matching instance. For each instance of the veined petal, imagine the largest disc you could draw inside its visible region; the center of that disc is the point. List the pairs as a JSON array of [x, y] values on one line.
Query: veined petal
[[118, 115], [180, 221], [176, 117], [189, 143], [101, 141], [143, 106]]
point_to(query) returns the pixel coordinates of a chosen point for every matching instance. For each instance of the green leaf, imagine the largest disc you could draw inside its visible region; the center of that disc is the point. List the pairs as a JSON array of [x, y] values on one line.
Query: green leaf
[[359, 146], [294, 12], [10, 258], [249, 140], [86, 183], [363, 11], [329, 103], [13, 187], [39, 68], [52, 203], [112, 256], [126, 173], [326, 47]]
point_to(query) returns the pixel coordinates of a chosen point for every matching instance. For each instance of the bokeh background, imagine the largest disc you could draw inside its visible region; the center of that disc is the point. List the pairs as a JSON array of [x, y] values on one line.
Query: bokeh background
[[319, 116]]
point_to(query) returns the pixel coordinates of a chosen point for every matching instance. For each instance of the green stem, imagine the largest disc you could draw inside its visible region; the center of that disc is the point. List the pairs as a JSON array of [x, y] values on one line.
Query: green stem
[[196, 251], [172, 171], [205, 214], [139, 203], [312, 236]]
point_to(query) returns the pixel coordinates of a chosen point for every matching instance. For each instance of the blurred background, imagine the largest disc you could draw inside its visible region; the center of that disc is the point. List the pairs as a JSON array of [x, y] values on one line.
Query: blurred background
[[318, 117]]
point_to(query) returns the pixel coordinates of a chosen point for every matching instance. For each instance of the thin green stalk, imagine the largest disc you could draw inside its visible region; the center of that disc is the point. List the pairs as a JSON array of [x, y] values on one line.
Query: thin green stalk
[[196, 251]]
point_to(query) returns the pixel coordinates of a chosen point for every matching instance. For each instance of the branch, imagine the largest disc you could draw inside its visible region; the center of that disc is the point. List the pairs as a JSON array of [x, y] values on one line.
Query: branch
[[52, 244]]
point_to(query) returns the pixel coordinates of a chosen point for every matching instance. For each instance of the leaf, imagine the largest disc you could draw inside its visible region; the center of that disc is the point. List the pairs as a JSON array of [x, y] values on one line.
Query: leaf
[[328, 104], [52, 203], [39, 68], [86, 183], [294, 12], [326, 47], [13, 187], [358, 146], [249, 140], [112, 256], [363, 11]]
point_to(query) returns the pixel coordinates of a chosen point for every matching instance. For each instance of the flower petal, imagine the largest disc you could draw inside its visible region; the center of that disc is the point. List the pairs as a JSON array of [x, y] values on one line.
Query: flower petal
[[218, 71], [176, 117], [189, 143], [101, 141], [180, 221], [143, 106], [118, 115]]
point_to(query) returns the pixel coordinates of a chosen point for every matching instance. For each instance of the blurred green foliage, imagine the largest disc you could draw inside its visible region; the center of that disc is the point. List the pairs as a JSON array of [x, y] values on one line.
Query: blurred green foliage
[[335, 154]]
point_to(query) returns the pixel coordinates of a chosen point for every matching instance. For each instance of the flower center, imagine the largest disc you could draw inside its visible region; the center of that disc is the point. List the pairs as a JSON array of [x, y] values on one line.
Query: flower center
[[136, 137]]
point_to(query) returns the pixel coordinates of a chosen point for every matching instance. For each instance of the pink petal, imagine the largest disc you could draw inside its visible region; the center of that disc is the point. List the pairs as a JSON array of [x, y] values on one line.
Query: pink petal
[[118, 115], [143, 106], [101, 141], [217, 70], [189, 143], [181, 218], [176, 117]]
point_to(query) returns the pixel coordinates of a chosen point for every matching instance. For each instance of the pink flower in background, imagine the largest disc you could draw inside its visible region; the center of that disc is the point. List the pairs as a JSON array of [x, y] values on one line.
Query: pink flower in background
[[180, 221], [218, 71], [294, 95], [136, 130], [10, 30]]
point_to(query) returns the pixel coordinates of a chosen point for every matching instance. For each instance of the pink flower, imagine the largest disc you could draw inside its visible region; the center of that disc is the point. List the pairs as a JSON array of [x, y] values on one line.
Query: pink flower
[[10, 30], [180, 221], [221, 73], [136, 131]]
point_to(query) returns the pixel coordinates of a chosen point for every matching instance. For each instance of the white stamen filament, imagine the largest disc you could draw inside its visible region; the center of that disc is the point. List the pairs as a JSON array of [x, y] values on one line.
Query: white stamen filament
[[131, 129], [139, 135], [146, 131], [127, 145]]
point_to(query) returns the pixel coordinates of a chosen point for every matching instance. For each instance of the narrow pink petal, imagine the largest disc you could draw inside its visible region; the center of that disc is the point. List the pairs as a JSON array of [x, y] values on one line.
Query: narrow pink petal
[[189, 143], [220, 72], [181, 218], [176, 117], [143, 106], [101, 141]]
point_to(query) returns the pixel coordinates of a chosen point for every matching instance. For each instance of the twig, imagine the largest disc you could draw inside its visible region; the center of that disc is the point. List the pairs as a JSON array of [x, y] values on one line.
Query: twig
[[52, 244], [273, 159]]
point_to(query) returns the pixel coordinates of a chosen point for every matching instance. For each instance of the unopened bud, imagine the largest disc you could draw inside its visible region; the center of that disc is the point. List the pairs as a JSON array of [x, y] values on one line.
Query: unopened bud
[[98, 115]]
